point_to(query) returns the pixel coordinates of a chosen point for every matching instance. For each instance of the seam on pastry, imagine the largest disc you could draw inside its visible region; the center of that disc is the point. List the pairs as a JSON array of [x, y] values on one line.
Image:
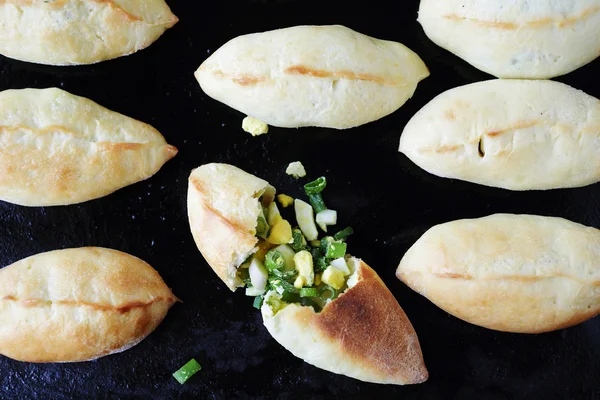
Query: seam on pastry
[[529, 278], [560, 23], [200, 188], [340, 74], [30, 303]]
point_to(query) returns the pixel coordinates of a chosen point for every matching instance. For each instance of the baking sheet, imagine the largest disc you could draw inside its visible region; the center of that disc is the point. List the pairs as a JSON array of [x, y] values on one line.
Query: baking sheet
[[389, 201]]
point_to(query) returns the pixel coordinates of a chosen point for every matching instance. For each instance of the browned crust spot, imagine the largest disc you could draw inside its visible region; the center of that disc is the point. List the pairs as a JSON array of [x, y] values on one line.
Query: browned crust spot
[[559, 23], [341, 74], [242, 80], [372, 327], [125, 308]]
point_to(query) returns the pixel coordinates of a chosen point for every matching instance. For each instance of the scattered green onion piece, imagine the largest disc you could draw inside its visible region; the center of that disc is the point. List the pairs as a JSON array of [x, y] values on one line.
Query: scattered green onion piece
[[274, 260], [316, 186], [258, 301], [327, 292], [187, 371], [317, 252], [309, 292], [299, 242], [316, 200], [309, 302], [287, 275], [344, 233], [336, 250], [320, 264]]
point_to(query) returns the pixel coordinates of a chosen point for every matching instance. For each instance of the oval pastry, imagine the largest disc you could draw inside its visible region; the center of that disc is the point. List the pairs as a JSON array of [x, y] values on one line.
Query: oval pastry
[[516, 39], [324, 76], [512, 134], [513, 273], [70, 32], [78, 305], [59, 149]]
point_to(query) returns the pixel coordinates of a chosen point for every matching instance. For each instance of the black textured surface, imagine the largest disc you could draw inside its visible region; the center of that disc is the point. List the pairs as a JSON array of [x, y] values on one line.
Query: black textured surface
[[387, 199]]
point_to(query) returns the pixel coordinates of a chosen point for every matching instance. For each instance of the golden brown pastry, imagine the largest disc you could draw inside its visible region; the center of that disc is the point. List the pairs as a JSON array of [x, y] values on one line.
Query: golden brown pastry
[[325, 76], [513, 273], [59, 149], [78, 304], [357, 329], [71, 32]]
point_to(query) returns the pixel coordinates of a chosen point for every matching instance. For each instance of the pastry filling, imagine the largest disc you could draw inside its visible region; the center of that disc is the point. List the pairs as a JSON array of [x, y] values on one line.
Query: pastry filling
[[292, 264]]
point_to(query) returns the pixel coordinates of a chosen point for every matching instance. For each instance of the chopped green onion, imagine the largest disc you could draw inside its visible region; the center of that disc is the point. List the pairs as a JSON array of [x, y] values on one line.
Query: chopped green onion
[[274, 260], [336, 250], [316, 200], [309, 302], [325, 242], [299, 242], [308, 292], [344, 233], [287, 275], [258, 301], [327, 292], [290, 297], [320, 264], [316, 186], [261, 226], [281, 286], [187, 371]]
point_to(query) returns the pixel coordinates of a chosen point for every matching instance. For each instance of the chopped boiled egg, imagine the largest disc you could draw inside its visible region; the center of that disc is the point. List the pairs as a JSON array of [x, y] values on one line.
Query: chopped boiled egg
[[304, 265], [296, 169], [281, 232], [340, 264], [285, 200], [258, 275], [333, 277], [254, 126], [326, 218], [305, 218]]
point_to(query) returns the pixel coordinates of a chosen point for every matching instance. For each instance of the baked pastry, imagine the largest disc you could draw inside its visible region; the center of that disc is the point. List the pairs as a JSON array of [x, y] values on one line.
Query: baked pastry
[[59, 149], [324, 76], [519, 39], [512, 134], [71, 32], [320, 303], [78, 305], [512, 273]]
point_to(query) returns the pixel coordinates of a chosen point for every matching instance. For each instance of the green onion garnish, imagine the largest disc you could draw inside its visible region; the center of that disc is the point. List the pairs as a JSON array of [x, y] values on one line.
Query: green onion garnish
[[187, 371], [336, 250], [316, 200], [287, 275], [327, 292], [308, 292], [274, 260], [261, 226], [325, 242], [258, 301], [344, 233], [315, 187], [290, 297], [299, 242], [320, 264]]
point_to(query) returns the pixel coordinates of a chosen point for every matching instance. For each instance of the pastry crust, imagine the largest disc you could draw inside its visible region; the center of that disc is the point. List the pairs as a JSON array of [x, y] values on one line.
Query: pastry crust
[[512, 134], [363, 334], [60, 149], [325, 76], [223, 207], [78, 304], [520, 39], [512, 273], [71, 32]]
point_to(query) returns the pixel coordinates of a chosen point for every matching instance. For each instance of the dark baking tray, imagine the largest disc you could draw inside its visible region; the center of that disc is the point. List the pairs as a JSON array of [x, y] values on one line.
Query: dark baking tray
[[388, 200]]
